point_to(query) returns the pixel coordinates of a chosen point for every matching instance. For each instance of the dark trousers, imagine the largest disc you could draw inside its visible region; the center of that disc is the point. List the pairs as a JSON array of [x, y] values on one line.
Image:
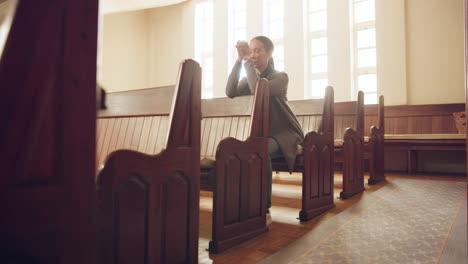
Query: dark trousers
[[274, 151]]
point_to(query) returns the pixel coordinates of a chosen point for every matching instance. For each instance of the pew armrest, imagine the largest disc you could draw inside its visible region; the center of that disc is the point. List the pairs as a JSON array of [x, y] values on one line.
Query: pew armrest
[[239, 198]]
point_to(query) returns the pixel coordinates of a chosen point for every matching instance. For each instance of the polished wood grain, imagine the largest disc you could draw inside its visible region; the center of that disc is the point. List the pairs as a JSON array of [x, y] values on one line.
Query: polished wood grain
[[316, 162], [239, 203], [420, 119], [139, 102], [48, 110], [413, 145], [220, 107], [144, 134], [374, 149], [235, 127], [149, 204], [349, 126]]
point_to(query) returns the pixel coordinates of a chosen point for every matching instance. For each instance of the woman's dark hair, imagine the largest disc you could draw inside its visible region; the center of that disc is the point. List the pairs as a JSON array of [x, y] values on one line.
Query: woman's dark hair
[[269, 47]]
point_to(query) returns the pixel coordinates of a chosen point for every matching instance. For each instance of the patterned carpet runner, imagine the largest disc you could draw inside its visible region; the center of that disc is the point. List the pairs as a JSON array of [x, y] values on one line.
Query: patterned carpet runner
[[406, 221]]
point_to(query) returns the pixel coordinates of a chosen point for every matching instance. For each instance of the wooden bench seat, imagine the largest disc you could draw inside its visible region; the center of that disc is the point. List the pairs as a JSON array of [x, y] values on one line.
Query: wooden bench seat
[[432, 128], [232, 151], [149, 204], [412, 143], [316, 159]]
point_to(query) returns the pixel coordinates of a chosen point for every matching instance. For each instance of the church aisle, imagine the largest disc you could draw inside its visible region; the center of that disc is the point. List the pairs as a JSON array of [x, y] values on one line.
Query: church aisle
[[400, 196]]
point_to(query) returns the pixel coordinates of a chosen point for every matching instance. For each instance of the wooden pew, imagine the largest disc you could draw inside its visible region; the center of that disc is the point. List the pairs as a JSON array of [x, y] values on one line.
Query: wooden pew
[[413, 143], [47, 137], [149, 204], [234, 155], [138, 120], [349, 144], [417, 128], [374, 143], [316, 161]]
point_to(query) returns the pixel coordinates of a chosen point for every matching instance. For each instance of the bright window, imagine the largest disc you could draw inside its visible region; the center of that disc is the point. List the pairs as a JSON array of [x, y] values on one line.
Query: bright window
[[273, 26], [364, 10], [318, 93], [315, 21], [237, 13], [364, 49], [204, 44]]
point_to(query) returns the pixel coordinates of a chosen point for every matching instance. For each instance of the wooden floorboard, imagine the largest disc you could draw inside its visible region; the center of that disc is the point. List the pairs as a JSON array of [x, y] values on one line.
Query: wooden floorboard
[[285, 228]]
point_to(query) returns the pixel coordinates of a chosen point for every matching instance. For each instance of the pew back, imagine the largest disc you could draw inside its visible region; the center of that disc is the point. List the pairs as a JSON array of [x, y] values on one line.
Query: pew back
[[374, 115], [234, 147], [349, 115], [149, 204], [132, 121], [309, 113], [349, 144], [135, 120], [374, 148], [240, 167], [222, 118], [316, 161], [421, 119]]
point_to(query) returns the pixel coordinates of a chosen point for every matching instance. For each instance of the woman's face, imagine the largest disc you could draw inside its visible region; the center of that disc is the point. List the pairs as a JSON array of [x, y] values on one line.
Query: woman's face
[[258, 55]]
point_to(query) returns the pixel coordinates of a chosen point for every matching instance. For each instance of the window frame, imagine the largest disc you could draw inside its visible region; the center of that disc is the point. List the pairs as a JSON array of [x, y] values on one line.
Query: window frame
[[279, 41], [309, 36], [366, 70], [202, 54], [233, 29]]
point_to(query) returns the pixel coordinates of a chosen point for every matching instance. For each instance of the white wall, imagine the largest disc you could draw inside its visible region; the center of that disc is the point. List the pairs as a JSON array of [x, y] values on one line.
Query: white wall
[[165, 44], [391, 51], [419, 47], [435, 36], [125, 51]]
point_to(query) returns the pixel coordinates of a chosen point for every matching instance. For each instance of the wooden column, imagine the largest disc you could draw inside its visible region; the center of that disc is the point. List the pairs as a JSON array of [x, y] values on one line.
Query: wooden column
[[48, 117]]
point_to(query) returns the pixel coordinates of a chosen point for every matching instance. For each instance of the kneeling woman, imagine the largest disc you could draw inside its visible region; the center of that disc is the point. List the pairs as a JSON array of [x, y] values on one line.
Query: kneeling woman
[[285, 131]]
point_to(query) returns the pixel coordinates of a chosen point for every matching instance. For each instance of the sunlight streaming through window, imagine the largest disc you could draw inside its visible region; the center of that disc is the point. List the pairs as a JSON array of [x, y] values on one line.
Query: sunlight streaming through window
[[237, 14], [274, 28], [364, 11], [364, 48], [319, 64], [318, 46], [366, 38], [370, 98], [204, 44], [366, 57], [368, 82], [318, 88], [318, 21]]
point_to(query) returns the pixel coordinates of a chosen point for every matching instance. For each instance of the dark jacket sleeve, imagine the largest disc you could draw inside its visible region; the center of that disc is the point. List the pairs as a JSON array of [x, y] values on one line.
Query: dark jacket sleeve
[[234, 87], [278, 83]]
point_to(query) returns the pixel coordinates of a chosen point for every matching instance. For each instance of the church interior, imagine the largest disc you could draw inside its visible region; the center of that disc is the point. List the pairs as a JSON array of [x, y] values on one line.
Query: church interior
[[121, 144]]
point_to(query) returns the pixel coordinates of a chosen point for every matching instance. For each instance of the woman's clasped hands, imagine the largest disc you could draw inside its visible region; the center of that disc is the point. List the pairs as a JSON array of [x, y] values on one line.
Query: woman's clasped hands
[[243, 50]]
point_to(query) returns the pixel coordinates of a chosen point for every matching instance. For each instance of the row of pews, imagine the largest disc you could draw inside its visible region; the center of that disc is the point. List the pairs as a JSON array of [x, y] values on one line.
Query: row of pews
[[335, 134], [154, 156], [148, 188]]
